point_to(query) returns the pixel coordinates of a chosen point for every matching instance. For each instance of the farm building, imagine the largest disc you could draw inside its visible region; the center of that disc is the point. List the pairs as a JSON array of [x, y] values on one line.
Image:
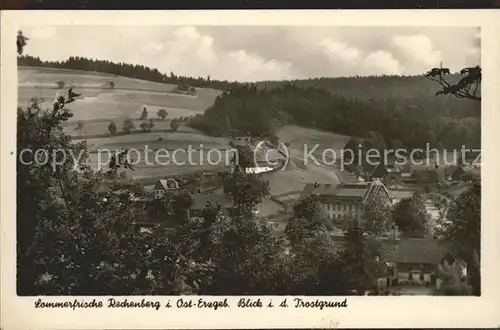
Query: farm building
[[344, 203], [417, 260]]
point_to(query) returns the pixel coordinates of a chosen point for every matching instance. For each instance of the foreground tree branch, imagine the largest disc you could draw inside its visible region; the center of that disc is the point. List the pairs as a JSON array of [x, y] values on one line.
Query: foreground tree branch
[[467, 87]]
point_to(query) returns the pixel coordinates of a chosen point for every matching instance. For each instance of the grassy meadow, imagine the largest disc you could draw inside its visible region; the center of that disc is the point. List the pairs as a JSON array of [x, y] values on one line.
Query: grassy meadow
[[98, 105]]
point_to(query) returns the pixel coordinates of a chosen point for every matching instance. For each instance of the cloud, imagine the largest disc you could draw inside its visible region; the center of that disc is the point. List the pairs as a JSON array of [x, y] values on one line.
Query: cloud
[[382, 62], [254, 67], [192, 53], [418, 48], [340, 50], [249, 53]]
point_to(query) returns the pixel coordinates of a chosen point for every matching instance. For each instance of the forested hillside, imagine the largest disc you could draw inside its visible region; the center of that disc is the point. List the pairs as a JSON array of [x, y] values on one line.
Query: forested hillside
[[407, 120], [405, 110], [125, 70], [408, 92]]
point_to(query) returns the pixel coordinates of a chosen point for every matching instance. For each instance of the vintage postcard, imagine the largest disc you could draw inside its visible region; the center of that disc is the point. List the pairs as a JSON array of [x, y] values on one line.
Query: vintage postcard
[[307, 169]]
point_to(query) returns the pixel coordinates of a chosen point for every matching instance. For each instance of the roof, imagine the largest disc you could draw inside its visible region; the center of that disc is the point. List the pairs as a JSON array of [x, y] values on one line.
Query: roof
[[201, 200], [166, 184], [319, 189], [401, 194], [418, 251], [351, 192], [374, 189], [361, 191]]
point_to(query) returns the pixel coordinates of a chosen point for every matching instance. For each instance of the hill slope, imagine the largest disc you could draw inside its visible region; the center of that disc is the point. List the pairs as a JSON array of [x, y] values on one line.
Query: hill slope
[[412, 120], [99, 101]]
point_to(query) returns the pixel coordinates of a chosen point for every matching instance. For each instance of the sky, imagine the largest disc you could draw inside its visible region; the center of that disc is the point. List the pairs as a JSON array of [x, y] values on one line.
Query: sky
[[253, 53]]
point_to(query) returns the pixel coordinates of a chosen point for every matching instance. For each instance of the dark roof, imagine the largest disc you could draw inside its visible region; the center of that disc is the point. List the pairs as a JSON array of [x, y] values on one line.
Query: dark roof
[[361, 191], [201, 200], [418, 251], [400, 194], [319, 189]]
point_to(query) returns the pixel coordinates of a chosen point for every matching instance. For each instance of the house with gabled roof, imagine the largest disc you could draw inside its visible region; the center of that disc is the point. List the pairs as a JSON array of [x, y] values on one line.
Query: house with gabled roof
[[344, 203], [382, 273], [417, 259], [162, 186]]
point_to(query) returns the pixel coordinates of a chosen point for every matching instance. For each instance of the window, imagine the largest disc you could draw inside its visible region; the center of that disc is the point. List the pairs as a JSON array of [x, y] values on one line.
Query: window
[[421, 276]]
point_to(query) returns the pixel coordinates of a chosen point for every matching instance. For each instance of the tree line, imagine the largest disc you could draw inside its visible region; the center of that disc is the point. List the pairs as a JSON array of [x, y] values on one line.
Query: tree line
[[387, 91], [261, 112], [126, 70]]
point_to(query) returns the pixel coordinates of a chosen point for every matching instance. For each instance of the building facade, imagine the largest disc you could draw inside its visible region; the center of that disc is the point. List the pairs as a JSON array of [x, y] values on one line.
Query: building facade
[[344, 204]]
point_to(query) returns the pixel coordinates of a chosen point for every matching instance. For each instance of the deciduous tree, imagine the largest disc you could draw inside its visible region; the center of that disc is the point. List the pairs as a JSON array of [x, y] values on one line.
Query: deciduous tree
[[377, 215], [128, 125], [469, 86], [144, 114], [411, 217], [174, 125], [112, 127], [162, 113], [464, 229]]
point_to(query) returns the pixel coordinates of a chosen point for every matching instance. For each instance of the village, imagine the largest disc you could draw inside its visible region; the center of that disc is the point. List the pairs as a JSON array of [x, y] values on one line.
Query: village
[[404, 266]]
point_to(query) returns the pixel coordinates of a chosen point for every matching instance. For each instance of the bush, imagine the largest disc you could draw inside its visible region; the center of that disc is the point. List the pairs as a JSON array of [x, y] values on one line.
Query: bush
[[128, 125], [145, 127], [174, 124], [112, 127]]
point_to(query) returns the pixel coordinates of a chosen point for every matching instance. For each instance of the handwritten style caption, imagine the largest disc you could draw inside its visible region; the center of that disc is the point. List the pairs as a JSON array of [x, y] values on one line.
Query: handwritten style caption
[[215, 304]]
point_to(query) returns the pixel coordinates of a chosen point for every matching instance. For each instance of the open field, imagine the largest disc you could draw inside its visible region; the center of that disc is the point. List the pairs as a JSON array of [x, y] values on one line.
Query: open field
[[98, 105], [305, 170], [99, 102], [48, 76]]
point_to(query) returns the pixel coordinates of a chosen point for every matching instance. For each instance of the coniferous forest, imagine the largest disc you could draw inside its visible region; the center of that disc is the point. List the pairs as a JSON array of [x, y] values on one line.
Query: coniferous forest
[[445, 122], [403, 109]]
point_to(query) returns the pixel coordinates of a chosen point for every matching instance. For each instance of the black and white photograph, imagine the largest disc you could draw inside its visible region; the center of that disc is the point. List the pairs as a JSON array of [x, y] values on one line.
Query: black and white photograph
[[199, 160]]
